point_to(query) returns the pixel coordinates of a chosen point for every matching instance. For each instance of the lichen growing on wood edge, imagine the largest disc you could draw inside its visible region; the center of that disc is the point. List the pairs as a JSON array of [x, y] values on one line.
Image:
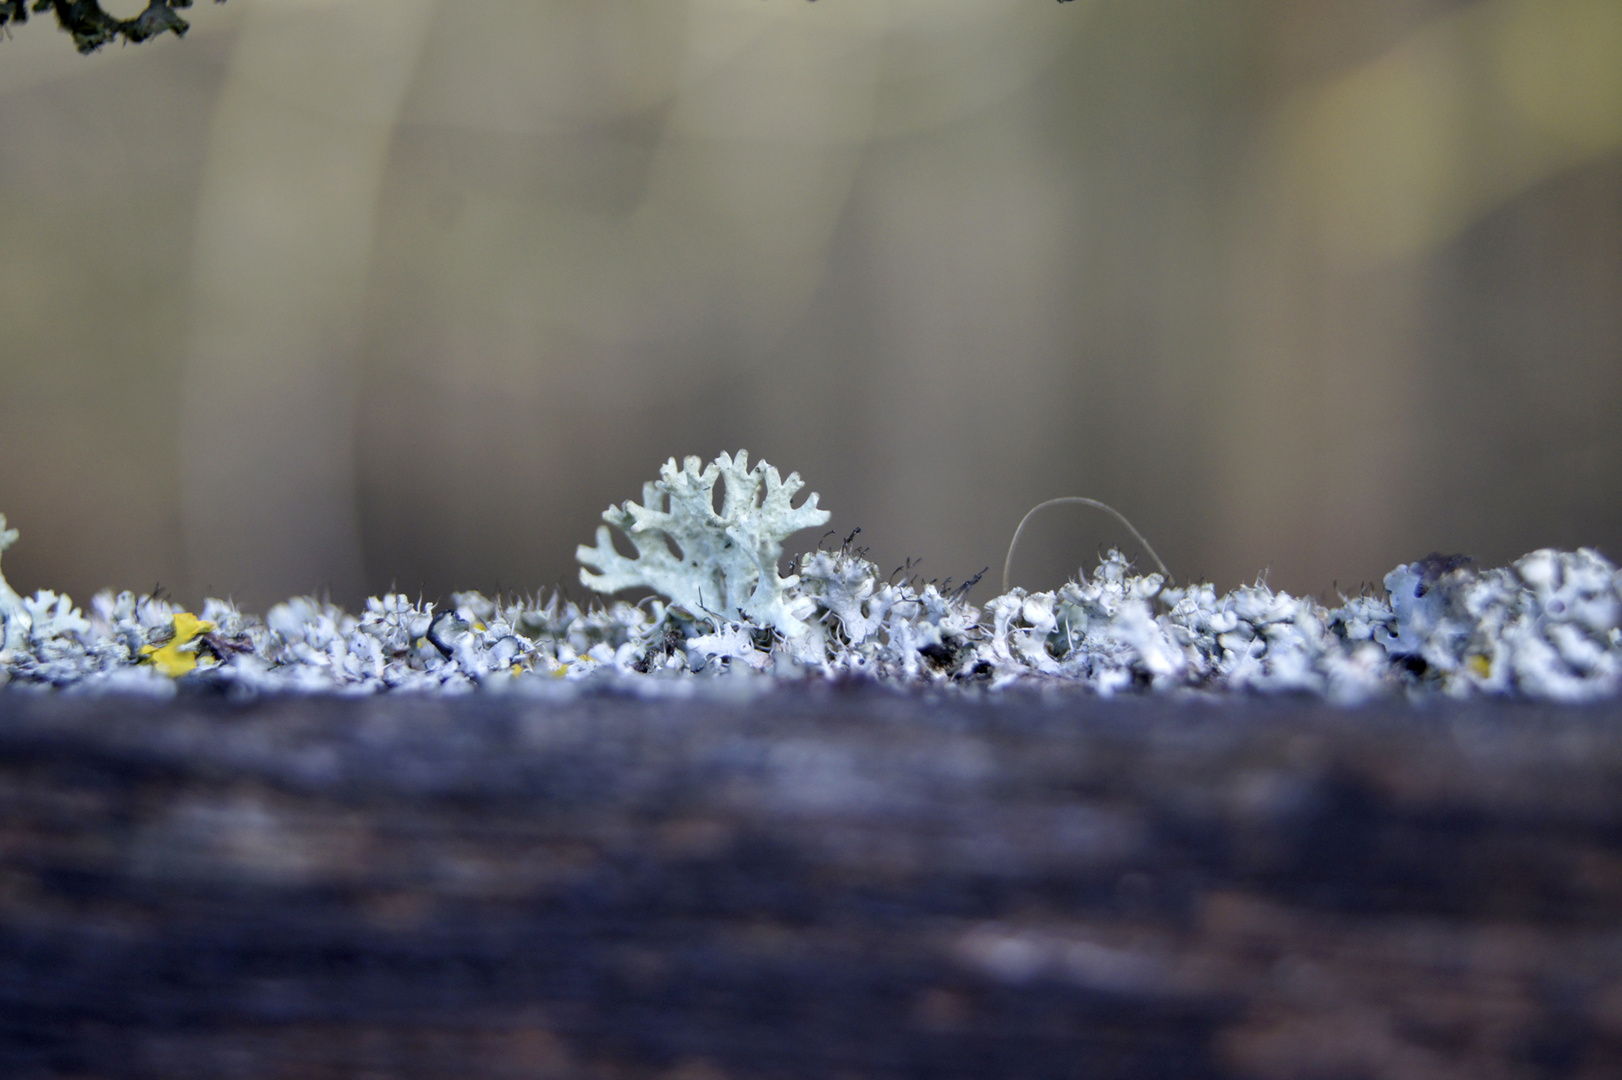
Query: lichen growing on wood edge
[[1546, 627]]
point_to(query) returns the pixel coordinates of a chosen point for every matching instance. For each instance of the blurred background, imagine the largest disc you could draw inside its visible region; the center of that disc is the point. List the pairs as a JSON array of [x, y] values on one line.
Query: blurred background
[[344, 294]]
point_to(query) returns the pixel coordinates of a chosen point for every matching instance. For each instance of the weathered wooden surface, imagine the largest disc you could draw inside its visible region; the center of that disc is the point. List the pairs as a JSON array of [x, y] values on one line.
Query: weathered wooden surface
[[816, 883]]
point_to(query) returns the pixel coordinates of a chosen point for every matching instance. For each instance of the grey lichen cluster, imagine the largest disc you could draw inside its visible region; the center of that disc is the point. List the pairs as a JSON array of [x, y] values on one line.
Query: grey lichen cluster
[[1546, 627]]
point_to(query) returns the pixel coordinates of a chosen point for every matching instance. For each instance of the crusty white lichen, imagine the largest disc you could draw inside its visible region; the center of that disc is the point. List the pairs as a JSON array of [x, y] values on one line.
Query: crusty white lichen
[[1548, 627]]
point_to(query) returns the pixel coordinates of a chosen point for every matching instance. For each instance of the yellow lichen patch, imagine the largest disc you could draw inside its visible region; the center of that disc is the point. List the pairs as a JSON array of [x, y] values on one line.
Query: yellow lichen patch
[[174, 658], [1480, 665]]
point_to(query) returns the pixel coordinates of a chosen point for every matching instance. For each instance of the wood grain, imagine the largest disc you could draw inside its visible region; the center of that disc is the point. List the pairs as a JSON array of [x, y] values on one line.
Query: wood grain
[[824, 881]]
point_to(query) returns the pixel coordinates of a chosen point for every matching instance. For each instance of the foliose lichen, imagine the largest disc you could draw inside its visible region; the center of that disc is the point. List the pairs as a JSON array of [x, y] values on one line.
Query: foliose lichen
[[722, 563]]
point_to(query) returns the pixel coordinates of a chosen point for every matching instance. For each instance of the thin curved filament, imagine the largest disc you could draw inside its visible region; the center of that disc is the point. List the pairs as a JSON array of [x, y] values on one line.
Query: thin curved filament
[[1106, 507]]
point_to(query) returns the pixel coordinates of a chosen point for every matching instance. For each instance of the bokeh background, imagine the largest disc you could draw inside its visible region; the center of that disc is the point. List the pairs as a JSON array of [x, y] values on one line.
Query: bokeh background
[[343, 294]]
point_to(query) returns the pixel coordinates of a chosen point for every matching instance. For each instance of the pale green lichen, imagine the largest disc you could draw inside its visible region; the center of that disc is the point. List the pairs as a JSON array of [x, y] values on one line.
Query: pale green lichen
[[716, 563]]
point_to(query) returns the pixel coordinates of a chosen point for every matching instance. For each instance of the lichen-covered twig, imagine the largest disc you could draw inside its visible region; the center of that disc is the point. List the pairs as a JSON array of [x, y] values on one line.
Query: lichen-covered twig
[[92, 27]]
